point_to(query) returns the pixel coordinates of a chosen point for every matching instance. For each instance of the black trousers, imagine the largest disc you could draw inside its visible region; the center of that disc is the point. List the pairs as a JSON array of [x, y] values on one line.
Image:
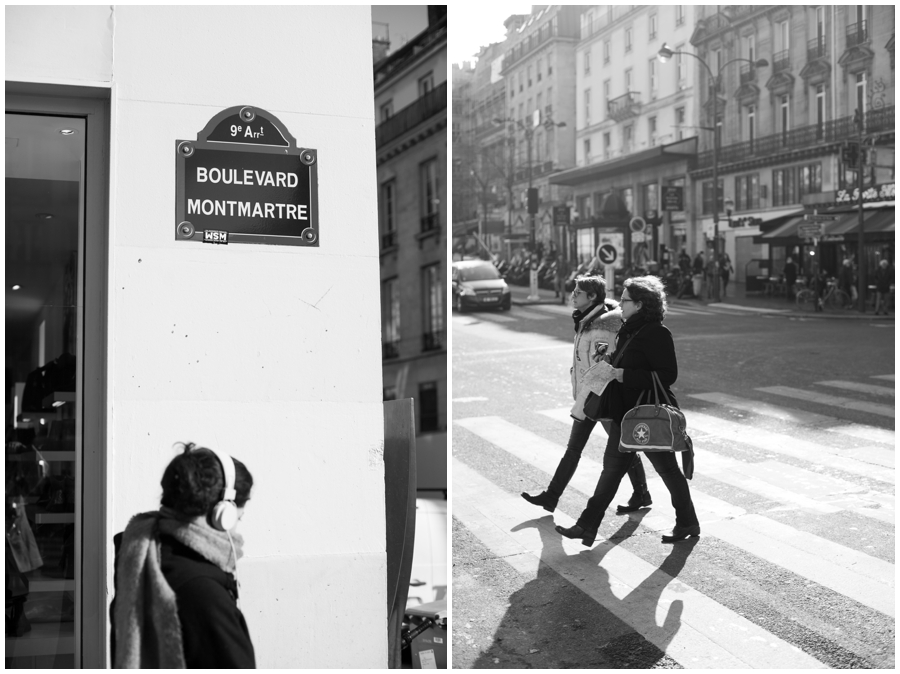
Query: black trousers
[[616, 464], [581, 431]]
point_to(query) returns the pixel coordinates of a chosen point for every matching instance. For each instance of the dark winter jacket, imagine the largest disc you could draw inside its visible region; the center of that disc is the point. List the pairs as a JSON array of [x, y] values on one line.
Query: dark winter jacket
[[884, 276], [214, 632], [652, 349]]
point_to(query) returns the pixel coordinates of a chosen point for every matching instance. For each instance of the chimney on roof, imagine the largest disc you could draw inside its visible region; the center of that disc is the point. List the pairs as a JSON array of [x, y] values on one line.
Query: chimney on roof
[[381, 41]]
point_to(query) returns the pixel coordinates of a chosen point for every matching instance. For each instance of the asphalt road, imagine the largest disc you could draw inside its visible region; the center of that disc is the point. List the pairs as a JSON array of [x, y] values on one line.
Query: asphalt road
[[793, 425]]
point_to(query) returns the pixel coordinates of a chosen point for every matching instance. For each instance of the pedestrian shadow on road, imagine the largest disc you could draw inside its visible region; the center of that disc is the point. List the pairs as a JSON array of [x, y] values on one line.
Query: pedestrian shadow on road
[[550, 624]]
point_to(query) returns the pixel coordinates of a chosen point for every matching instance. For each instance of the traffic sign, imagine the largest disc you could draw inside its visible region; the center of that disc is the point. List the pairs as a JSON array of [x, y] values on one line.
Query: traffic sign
[[809, 230], [607, 253], [809, 217]]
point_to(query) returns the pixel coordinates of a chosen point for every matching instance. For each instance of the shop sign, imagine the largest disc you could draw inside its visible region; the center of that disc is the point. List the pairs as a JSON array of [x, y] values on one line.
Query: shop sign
[[561, 215], [673, 197], [244, 180], [876, 193]]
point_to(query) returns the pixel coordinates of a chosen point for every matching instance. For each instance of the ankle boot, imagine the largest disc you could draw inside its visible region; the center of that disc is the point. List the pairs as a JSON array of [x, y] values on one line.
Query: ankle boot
[[680, 533], [544, 500], [587, 537], [637, 501]]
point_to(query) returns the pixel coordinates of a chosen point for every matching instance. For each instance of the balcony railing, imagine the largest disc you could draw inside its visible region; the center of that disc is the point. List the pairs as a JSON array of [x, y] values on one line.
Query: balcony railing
[[781, 61], [816, 49], [390, 350], [412, 115], [833, 131], [625, 106], [389, 239], [432, 341], [857, 33], [430, 222]]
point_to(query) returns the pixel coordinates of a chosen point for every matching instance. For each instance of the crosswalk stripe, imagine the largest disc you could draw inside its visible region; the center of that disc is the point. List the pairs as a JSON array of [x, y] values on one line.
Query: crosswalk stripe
[[886, 377], [882, 457], [861, 388], [472, 399], [704, 635], [544, 455], [777, 443], [682, 310], [833, 401]]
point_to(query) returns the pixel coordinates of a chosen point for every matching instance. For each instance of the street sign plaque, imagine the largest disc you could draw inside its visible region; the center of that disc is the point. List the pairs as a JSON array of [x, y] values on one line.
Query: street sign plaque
[[809, 230], [244, 180], [561, 215], [819, 218]]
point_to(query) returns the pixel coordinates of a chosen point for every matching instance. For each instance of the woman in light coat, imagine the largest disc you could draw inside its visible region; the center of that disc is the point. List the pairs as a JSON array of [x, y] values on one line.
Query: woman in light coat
[[597, 320]]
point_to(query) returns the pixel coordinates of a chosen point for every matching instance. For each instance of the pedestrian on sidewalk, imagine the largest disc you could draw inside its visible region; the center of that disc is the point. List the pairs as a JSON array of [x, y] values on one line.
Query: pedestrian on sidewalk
[[597, 320], [710, 274], [647, 347], [884, 276], [790, 276], [845, 279], [176, 589], [698, 270], [725, 272]]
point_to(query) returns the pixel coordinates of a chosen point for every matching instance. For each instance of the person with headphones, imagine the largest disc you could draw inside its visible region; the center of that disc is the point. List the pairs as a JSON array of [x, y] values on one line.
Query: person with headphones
[[177, 596]]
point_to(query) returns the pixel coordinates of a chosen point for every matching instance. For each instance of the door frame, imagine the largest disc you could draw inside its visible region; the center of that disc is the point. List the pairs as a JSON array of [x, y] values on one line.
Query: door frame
[[92, 104]]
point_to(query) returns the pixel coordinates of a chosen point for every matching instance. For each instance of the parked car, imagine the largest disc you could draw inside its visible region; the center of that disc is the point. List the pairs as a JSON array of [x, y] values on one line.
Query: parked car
[[477, 284]]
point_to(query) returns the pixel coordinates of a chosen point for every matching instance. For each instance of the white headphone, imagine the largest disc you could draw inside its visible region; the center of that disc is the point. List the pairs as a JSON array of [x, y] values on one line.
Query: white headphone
[[224, 514]]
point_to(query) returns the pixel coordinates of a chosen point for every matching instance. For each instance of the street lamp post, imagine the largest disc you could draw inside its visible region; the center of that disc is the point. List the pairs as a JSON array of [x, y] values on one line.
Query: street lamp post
[[665, 53]]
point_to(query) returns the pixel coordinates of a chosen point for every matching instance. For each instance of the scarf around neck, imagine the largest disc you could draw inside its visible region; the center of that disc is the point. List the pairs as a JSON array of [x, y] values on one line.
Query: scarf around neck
[[578, 316], [147, 628]]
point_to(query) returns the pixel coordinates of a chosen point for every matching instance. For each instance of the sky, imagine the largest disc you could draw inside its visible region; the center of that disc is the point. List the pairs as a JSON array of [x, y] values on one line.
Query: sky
[[404, 22], [477, 24]]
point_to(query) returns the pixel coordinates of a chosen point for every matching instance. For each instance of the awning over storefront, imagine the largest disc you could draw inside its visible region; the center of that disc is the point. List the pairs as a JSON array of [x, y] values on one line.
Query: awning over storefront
[[768, 220], [879, 223], [682, 149]]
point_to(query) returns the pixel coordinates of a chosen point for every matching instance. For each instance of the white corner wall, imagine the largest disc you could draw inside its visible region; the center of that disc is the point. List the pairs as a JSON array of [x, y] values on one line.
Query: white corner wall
[[269, 353]]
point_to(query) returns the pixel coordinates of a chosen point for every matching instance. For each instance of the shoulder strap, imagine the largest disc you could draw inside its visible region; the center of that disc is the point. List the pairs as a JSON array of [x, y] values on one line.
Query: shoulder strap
[[615, 363]]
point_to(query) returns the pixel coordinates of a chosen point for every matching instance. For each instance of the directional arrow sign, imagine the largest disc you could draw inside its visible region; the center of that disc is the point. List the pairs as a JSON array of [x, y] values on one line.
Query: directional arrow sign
[[607, 253]]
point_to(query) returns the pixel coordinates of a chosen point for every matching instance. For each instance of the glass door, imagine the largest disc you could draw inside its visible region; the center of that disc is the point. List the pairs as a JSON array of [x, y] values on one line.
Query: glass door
[[45, 170]]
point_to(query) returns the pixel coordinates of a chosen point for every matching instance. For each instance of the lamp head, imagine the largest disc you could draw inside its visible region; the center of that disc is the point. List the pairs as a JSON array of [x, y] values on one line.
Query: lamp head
[[729, 206], [761, 63], [665, 53]]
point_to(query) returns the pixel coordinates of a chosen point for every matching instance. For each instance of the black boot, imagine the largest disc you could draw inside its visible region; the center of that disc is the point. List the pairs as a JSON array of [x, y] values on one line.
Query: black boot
[[587, 537], [680, 533], [637, 501], [544, 500]]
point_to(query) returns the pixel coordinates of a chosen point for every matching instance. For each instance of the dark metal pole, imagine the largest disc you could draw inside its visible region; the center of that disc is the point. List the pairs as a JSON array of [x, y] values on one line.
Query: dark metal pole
[[861, 256], [715, 126]]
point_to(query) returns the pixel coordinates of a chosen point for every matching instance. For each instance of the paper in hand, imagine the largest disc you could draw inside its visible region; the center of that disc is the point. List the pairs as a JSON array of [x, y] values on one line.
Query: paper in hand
[[598, 376]]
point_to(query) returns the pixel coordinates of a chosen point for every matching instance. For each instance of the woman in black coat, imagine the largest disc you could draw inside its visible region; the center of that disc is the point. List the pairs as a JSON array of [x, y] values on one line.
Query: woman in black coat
[[176, 602], [649, 348]]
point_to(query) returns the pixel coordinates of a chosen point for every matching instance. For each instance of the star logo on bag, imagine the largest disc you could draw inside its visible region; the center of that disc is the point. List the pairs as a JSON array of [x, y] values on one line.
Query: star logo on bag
[[641, 434]]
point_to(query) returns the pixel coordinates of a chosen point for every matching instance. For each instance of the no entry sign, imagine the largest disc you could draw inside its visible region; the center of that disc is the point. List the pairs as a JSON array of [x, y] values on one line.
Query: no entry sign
[[244, 180]]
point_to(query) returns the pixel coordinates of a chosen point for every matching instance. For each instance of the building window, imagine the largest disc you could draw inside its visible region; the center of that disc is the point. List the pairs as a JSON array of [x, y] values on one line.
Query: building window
[[606, 144], [606, 51], [653, 26], [432, 308], [651, 127], [679, 15], [820, 111], [426, 84], [785, 114], [387, 109], [587, 151], [628, 33], [529, 76], [750, 47], [587, 62], [782, 36], [587, 107], [708, 196], [521, 86], [549, 108], [680, 68], [628, 138], [549, 67], [784, 187], [540, 69], [606, 86], [679, 123], [860, 94], [388, 214], [651, 68], [390, 318], [628, 80], [430, 200], [429, 420], [746, 192], [810, 179], [751, 125]]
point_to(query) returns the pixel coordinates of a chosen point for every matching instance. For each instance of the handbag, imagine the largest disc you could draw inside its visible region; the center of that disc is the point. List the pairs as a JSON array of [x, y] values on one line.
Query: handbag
[[660, 427], [592, 404]]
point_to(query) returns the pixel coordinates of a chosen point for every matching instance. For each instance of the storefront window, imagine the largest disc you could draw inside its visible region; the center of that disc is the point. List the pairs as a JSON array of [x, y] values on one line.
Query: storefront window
[[45, 160]]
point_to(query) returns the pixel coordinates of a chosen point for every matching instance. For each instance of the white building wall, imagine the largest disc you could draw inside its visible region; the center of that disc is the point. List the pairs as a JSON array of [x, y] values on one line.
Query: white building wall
[[269, 353]]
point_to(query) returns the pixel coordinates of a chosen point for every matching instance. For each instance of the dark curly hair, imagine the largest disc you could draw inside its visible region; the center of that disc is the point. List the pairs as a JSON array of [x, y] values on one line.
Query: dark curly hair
[[651, 293], [193, 481]]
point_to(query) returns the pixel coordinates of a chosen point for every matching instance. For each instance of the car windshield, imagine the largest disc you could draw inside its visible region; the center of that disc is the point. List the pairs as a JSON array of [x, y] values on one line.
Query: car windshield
[[483, 272]]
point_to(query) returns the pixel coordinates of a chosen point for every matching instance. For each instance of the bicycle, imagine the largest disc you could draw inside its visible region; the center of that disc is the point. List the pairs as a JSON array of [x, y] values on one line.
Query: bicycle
[[833, 299]]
